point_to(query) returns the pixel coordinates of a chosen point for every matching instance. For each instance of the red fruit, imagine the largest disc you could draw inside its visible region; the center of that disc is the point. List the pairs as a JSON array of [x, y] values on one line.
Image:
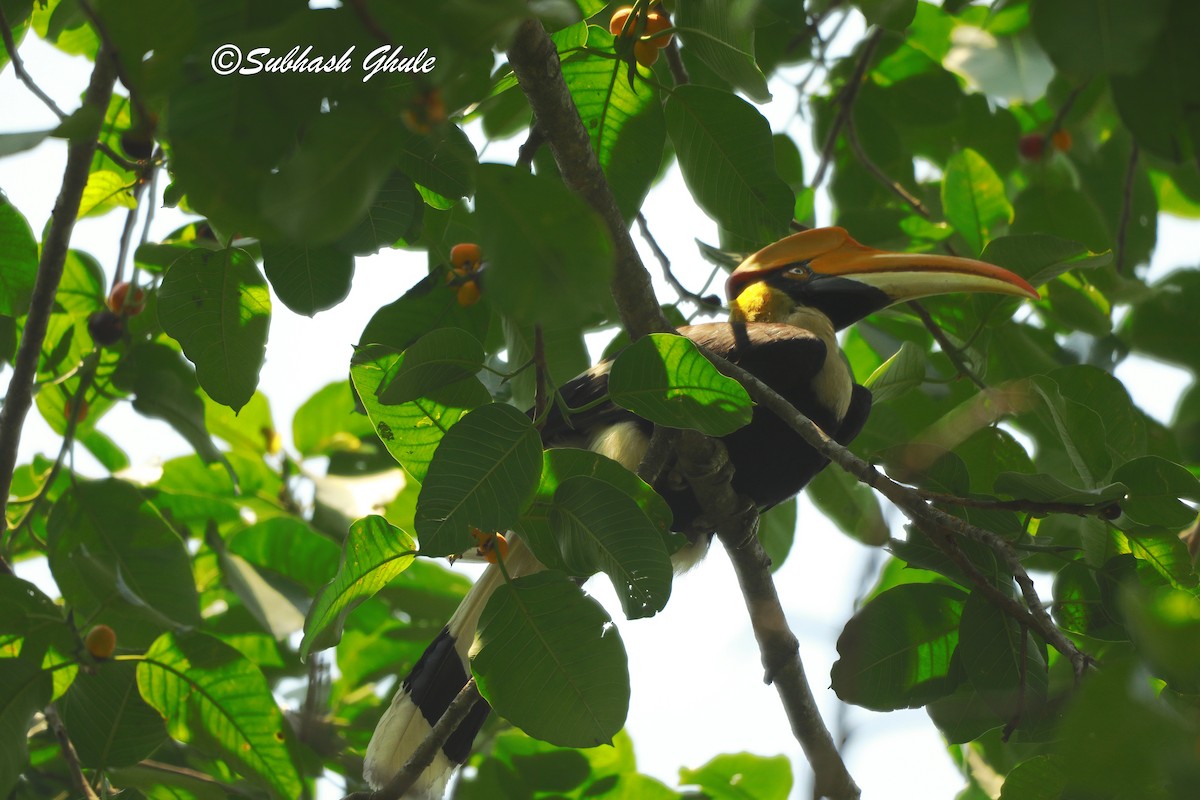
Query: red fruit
[[1032, 146], [119, 301], [101, 642], [617, 23]]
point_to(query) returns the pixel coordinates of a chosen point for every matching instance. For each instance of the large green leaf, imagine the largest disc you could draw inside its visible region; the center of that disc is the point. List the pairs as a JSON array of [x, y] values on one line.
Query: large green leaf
[[373, 554], [439, 358], [721, 34], [1154, 325], [1090, 37], [665, 378], [326, 422], [601, 528], [1156, 487], [895, 652], [851, 505], [974, 199], [411, 431], [18, 261], [443, 162], [542, 631], [549, 255], [117, 561], [308, 278], [625, 124], [164, 387], [288, 546], [210, 695], [894, 15], [110, 724], [216, 304], [395, 214], [25, 689], [741, 776], [483, 474], [728, 162], [1008, 674]]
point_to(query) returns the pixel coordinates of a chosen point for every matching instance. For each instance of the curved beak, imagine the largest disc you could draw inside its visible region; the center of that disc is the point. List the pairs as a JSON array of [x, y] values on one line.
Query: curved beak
[[824, 261]]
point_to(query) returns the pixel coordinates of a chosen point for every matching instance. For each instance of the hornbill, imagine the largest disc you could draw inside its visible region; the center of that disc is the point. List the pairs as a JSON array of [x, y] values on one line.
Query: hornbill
[[787, 302]]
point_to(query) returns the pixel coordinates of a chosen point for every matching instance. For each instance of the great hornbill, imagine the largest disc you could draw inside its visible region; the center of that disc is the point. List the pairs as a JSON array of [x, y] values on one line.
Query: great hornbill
[[787, 302]]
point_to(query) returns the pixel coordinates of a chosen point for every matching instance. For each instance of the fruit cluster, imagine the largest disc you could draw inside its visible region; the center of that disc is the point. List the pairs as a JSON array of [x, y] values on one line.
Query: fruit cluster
[[465, 261], [648, 43], [1033, 145]]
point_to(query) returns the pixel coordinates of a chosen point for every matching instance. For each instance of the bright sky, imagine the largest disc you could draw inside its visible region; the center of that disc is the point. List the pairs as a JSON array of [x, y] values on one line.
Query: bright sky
[[697, 688]]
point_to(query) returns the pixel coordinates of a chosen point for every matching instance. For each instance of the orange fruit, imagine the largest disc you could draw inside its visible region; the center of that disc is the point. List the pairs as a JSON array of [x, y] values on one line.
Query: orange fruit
[[119, 301], [101, 642], [468, 294], [617, 23], [645, 52], [657, 22], [1062, 140], [465, 256]]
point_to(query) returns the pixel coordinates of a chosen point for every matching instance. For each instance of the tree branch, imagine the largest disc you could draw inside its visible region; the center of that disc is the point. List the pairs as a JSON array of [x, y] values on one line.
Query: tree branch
[[19, 67], [536, 65], [845, 101], [919, 511], [953, 353], [69, 755], [50, 268], [423, 756]]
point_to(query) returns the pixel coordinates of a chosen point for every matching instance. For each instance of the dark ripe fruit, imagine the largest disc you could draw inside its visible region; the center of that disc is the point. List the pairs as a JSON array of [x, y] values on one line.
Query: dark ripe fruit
[[618, 20], [101, 642], [1032, 146], [120, 302], [137, 144], [106, 328], [645, 52]]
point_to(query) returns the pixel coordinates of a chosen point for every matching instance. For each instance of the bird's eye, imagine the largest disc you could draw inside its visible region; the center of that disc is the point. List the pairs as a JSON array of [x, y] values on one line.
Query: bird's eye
[[800, 270]]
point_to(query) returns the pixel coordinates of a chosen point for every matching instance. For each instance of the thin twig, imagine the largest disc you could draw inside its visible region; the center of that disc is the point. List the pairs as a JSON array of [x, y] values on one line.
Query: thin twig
[[675, 63], [919, 511], [953, 353], [368, 20], [893, 185], [19, 67], [50, 267], [1126, 207], [117, 158], [68, 750], [845, 103], [709, 303], [1037, 508], [1061, 116], [423, 756], [107, 43]]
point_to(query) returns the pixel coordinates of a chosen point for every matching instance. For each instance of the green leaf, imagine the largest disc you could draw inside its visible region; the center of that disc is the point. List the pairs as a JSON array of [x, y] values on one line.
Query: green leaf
[[110, 724], [1083, 598], [1008, 674], [625, 123], [308, 278], [1154, 324], [443, 161], [439, 358], [895, 15], [1040, 258], [1163, 551], [742, 776], [721, 34], [105, 191], [541, 241], [1155, 488], [1098, 37], [1165, 625], [327, 423], [1079, 429], [251, 430], [25, 689], [560, 464], [164, 387], [543, 631], [728, 162], [288, 547], [664, 378], [323, 189], [905, 370], [974, 198], [411, 432], [895, 652], [18, 261], [1037, 778], [777, 531], [216, 305], [394, 215], [373, 554], [1045, 488], [851, 505], [117, 561], [211, 695], [483, 474], [602, 528]]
